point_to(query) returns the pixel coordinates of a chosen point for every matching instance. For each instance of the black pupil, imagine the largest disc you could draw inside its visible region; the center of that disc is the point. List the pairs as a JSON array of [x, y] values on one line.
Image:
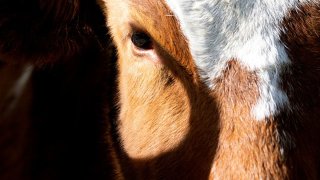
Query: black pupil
[[141, 40]]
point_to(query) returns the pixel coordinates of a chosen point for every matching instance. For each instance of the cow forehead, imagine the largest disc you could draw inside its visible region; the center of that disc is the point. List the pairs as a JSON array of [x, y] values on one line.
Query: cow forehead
[[246, 30]]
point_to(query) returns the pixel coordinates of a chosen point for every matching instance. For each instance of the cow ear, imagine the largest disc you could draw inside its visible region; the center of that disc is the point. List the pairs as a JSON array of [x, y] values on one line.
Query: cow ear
[[45, 31]]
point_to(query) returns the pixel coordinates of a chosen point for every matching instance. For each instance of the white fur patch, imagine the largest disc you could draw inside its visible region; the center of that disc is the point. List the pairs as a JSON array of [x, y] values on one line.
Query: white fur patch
[[246, 30]]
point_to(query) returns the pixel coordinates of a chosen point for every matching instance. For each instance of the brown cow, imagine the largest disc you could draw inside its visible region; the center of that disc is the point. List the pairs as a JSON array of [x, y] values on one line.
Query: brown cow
[[218, 89], [56, 82]]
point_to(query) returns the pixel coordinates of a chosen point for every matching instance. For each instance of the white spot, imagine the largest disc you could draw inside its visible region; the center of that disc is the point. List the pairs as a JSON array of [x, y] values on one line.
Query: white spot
[[246, 30]]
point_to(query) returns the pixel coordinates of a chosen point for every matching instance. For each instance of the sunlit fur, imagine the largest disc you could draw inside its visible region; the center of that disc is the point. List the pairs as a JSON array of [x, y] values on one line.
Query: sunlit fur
[[192, 113], [248, 31]]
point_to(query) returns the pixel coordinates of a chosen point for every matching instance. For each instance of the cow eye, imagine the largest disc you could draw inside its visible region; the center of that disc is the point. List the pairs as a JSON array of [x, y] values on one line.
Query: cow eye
[[141, 40]]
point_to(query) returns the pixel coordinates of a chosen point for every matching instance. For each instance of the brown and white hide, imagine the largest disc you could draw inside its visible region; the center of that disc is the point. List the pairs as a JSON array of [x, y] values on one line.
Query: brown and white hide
[[217, 89]]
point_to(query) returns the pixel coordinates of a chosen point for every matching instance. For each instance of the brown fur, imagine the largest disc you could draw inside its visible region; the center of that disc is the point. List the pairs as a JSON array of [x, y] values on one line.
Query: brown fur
[[161, 103], [302, 83], [15, 123], [56, 129], [247, 149], [172, 127], [46, 31]]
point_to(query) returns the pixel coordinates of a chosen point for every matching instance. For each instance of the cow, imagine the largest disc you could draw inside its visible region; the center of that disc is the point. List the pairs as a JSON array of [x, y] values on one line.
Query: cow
[[56, 82], [217, 89]]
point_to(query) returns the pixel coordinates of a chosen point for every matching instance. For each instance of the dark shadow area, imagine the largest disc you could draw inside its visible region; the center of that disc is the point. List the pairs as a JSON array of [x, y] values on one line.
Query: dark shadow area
[[69, 101], [301, 81], [15, 106], [70, 117]]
